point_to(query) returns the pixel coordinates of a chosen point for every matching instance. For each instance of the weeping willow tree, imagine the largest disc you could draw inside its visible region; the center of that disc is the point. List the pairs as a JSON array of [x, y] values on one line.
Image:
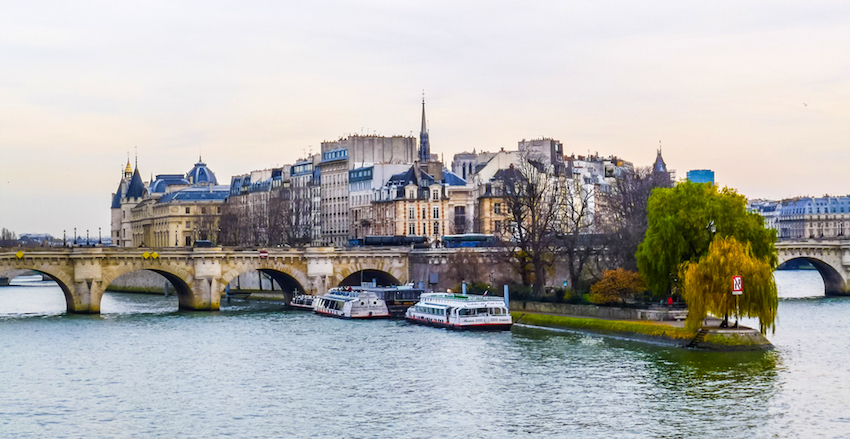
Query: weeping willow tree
[[707, 285]]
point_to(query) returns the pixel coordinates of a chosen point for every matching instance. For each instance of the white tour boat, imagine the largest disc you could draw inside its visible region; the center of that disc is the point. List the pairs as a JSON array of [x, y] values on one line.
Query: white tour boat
[[303, 302], [458, 311], [351, 303]]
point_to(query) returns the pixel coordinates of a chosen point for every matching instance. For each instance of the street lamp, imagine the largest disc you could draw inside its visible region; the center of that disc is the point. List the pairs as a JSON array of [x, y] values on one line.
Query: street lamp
[[75, 236]]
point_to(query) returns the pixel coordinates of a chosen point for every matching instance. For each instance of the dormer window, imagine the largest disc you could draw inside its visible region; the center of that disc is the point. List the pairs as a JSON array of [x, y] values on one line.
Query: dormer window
[[435, 195]]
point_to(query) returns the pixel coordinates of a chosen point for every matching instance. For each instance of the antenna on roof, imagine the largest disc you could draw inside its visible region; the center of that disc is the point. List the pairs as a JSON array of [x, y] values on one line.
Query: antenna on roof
[[137, 157]]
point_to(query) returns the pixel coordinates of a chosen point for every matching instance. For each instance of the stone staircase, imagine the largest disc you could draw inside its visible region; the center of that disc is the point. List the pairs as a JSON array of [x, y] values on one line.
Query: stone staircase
[[698, 338]]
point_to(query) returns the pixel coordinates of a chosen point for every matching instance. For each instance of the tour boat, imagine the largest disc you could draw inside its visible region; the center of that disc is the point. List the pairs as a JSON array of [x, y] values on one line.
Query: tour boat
[[458, 311], [351, 303], [303, 302]]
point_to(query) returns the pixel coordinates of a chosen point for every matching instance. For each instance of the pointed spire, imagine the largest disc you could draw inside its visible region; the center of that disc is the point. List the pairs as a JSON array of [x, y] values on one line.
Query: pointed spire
[[128, 170], [424, 146]]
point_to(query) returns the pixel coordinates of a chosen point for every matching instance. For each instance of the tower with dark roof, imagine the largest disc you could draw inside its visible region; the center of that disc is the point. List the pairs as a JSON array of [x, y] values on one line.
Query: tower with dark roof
[[424, 145]]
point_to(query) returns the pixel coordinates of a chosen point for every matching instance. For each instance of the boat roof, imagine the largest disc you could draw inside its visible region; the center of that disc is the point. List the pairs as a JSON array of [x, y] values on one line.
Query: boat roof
[[344, 293], [468, 300]]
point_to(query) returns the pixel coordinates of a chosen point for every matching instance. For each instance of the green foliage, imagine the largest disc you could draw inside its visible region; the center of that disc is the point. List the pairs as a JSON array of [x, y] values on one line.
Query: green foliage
[[707, 284], [616, 286], [684, 220], [601, 325]]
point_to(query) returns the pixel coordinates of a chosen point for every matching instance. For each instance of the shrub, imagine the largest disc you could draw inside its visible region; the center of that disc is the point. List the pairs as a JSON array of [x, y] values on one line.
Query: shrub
[[616, 286]]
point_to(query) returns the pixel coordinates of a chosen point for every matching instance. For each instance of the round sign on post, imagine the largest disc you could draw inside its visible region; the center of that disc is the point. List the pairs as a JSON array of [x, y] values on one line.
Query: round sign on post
[[737, 285]]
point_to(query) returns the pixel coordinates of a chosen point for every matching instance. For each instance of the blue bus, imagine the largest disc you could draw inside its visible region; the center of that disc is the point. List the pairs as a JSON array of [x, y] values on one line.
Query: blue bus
[[469, 240]]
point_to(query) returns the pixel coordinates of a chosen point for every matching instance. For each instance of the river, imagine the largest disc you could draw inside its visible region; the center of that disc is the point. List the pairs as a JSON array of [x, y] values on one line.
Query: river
[[143, 369]]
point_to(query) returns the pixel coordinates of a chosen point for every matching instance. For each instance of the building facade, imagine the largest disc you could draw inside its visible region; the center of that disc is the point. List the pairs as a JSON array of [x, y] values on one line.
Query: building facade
[[172, 210]]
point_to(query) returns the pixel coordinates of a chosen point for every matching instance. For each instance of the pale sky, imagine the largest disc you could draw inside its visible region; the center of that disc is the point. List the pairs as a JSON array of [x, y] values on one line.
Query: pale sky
[[252, 85]]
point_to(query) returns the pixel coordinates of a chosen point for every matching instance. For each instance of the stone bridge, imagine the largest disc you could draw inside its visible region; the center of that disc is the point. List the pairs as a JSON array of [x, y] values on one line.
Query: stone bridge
[[200, 275], [831, 258]]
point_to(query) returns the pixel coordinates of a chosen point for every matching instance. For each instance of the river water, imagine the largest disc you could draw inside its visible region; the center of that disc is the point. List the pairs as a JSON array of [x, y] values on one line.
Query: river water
[[143, 369]]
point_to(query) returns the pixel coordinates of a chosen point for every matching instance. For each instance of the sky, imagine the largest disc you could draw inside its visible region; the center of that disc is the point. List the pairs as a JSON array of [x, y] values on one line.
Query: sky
[[758, 92]]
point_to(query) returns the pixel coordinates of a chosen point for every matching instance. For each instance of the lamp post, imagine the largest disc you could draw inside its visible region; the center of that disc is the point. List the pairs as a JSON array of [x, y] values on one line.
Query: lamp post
[[64, 243], [99, 237], [176, 244], [87, 238], [75, 236]]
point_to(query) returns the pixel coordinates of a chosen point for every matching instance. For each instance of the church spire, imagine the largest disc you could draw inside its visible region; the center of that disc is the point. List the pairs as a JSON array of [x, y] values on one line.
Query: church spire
[[424, 146]]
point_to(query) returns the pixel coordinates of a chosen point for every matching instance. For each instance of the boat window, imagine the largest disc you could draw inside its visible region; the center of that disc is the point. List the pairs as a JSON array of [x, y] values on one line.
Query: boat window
[[464, 312]]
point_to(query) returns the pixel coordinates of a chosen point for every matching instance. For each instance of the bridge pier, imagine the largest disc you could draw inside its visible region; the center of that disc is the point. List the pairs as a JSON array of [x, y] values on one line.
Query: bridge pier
[[204, 295], [85, 298]]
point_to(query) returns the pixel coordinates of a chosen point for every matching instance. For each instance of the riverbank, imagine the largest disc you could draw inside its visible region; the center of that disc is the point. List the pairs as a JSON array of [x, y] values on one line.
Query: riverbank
[[674, 334]]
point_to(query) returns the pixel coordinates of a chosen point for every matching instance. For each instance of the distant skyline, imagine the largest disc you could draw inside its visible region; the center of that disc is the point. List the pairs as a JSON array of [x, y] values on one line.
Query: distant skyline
[[758, 92]]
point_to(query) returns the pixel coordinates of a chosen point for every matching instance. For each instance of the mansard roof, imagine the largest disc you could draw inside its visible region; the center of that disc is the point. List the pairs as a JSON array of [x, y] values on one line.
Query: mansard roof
[[162, 182], [210, 193], [452, 179]]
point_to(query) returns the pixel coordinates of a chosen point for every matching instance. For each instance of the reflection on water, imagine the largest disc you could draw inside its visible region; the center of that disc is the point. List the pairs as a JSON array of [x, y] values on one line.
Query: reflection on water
[[145, 369]]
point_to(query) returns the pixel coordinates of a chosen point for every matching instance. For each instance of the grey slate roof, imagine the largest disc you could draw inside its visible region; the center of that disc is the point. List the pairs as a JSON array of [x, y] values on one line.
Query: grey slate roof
[[213, 193], [137, 187]]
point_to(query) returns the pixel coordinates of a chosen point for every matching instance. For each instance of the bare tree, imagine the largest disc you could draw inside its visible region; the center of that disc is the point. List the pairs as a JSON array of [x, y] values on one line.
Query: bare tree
[[625, 214], [206, 224], [466, 266], [533, 199], [579, 242], [290, 217], [229, 224]]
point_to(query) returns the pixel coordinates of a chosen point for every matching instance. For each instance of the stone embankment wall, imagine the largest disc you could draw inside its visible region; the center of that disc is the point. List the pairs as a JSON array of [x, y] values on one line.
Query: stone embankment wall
[[600, 312]]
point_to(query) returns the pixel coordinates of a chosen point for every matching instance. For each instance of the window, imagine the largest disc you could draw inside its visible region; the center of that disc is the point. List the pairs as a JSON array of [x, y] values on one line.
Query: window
[[188, 224], [203, 211], [436, 213], [497, 208], [187, 210], [436, 228], [412, 229], [411, 213], [424, 213], [497, 226], [435, 195]]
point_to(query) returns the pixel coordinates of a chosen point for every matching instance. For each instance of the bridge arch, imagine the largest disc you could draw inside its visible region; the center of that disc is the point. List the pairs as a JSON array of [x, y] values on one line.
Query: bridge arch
[[289, 278], [65, 282], [833, 282], [381, 278], [179, 278]]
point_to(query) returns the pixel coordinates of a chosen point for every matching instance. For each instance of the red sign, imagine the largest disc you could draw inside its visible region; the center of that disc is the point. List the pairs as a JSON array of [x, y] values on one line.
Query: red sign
[[264, 254], [737, 285]]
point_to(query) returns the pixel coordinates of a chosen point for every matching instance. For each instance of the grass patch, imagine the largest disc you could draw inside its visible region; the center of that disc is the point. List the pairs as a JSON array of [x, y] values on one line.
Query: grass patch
[[600, 325], [735, 340]]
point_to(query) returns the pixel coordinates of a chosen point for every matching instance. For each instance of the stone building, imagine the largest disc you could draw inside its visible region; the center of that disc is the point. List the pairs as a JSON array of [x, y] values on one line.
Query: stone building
[[415, 203], [172, 210], [815, 218], [246, 212], [362, 182], [333, 177], [306, 189], [130, 192]]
